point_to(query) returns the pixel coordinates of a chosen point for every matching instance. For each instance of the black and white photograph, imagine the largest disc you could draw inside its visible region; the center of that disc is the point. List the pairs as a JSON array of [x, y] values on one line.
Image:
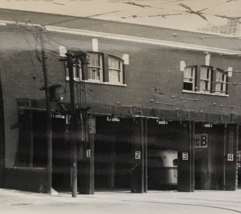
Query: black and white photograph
[[120, 106]]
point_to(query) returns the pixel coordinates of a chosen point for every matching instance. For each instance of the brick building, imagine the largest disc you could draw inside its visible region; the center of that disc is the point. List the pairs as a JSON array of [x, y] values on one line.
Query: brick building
[[146, 88]]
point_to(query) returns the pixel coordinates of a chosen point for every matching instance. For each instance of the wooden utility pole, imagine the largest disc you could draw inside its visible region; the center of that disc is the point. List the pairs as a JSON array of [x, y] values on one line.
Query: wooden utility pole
[[73, 125], [48, 113], [70, 58]]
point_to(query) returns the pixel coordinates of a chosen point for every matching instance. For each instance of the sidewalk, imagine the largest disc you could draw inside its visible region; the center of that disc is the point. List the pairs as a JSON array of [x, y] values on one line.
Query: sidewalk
[[12, 201]]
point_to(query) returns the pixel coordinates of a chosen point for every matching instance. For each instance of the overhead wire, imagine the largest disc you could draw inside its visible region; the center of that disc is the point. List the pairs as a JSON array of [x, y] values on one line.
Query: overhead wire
[[202, 39], [31, 59]]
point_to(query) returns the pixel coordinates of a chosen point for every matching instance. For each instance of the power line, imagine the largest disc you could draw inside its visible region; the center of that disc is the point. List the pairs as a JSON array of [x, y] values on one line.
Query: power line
[[31, 59], [77, 18]]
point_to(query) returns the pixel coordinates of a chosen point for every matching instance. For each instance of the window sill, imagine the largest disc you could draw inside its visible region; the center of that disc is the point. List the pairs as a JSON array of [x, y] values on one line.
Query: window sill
[[103, 83], [98, 82], [203, 93]]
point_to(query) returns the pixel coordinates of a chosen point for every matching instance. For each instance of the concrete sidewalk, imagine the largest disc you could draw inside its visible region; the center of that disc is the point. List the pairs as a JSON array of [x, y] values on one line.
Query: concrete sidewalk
[[220, 202]]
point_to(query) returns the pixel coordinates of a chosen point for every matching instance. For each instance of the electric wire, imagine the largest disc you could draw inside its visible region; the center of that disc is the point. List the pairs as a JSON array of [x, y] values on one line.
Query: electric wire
[[31, 59]]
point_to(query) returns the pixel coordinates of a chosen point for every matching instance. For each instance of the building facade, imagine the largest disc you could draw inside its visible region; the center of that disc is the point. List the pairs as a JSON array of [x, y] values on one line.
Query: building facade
[[231, 28], [144, 89]]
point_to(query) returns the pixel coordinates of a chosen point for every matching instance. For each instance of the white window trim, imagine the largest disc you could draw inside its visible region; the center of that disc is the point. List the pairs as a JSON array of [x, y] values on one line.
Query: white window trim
[[208, 94], [221, 81], [208, 80], [97, 67], [77, 79], [103, 83], [192, 77], [212, 82], [120, 69]]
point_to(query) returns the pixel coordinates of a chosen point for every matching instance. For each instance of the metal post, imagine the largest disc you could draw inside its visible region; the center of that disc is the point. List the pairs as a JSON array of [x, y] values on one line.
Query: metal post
[[92, 163], [48, 114], [112, 164], [74, 170], [142, 155], [224, 156], [31, 136], [235, 154], [192, 155], [146, 158]]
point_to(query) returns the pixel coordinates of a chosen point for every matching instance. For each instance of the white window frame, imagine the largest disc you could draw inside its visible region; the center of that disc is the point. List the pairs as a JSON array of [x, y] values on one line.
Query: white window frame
[[206, 79], [190, 79], [221, 81], [118, 69], [98, 67], [77, 72]]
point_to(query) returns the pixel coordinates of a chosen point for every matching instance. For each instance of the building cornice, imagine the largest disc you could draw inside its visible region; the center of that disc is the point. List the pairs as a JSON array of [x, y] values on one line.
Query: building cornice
[[133, 39]]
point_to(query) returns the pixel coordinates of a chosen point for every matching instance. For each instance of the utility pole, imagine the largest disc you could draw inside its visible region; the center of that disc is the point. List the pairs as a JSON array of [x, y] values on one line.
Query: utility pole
[[48, 113], [71, 58], [73, 125]]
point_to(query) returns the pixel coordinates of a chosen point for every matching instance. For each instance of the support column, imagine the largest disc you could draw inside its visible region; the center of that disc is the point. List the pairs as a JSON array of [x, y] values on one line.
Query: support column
[[231, 157], [31, 137], [224, 156], [111, 178], [86, 162], [146, 156], [186, 157], [2, 138], [138, 170]]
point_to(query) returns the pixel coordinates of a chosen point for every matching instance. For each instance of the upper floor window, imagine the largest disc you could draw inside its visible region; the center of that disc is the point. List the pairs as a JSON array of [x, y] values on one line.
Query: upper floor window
[[189, 78], [77, 72], [205, 79], [95, 67], [221, 81], [101, 68], [115, 70]]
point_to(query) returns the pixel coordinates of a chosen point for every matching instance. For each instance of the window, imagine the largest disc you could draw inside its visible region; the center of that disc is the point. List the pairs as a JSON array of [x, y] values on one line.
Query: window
[[175, 162], [221, 81], [95, 67], [115, 70], [101, 68], [189, 78], [77, 72], [155, 162], [205, 79]]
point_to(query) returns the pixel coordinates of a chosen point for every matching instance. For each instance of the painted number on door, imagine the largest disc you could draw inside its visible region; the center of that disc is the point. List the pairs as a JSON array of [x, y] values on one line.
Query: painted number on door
[[230, 157], [87, 153], [137, 154], [184, 156]]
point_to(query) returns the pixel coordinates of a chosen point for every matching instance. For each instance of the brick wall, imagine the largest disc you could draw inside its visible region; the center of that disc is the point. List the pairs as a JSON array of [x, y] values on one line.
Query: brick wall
[[152, 76]]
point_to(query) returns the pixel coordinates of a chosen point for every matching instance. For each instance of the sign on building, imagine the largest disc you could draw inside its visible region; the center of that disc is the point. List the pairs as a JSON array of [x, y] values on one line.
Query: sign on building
[[92, 125], [185, 156], [137, 154], [88, 153], [230, 157], [200, 141]]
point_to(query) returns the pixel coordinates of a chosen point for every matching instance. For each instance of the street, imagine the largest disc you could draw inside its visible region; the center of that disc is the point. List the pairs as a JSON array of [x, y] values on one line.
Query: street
[[170, 202]]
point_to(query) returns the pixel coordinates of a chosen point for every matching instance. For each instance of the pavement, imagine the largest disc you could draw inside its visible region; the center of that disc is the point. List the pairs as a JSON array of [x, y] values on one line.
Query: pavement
[[118, 202]]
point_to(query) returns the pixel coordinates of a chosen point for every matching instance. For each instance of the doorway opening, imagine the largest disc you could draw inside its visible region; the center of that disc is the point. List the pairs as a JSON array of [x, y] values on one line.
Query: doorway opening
[[61, 175], [113, 153]]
